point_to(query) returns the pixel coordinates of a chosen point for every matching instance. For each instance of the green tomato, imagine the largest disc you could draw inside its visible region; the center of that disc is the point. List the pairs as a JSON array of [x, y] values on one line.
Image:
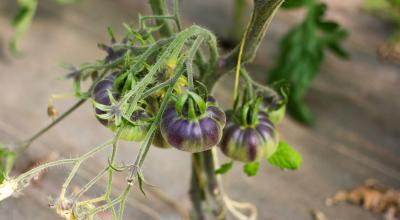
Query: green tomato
[[132, 132]]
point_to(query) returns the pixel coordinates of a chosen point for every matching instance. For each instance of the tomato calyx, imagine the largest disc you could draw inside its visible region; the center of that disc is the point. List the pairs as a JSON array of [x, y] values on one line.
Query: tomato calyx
[[191, 106], [247, 114]]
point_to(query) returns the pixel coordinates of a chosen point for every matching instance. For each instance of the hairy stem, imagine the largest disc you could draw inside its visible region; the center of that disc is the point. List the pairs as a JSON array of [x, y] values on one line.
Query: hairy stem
[[263, 12], [205, 190], [214, 189], [88, 185], [159, 7], [25, 144], [28, 142], [236, 29]]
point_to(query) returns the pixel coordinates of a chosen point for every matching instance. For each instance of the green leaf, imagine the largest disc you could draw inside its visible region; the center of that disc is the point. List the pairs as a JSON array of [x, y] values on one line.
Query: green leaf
[[338, 50], [300, 111], [251, 169], [285, 157], [224, 168], [134, 33], [302, 51]]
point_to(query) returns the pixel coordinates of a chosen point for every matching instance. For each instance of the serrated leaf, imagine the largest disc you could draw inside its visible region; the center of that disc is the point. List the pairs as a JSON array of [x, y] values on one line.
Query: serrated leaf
[[224, 168], [302, 51], [286, 157], [251, 169]]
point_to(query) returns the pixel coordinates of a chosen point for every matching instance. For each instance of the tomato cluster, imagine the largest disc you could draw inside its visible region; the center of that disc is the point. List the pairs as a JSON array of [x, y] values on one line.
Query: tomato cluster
[[193, 122], [104, 92]]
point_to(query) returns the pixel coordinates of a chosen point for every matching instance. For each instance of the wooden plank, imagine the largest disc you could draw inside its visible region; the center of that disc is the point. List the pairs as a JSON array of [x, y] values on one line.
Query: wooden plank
[[356, 136]]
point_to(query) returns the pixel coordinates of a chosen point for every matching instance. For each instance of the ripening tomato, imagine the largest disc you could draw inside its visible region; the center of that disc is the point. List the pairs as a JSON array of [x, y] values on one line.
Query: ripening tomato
[[192, 125], [249, 142]]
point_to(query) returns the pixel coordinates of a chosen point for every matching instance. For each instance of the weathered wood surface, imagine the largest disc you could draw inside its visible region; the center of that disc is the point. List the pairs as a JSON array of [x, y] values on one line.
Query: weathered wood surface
[[356, 137]]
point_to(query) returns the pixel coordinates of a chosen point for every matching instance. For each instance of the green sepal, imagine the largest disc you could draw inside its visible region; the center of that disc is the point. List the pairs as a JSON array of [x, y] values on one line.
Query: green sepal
[[199, 102], [244, 112], [255, 110], [191, 110], [181, 102]]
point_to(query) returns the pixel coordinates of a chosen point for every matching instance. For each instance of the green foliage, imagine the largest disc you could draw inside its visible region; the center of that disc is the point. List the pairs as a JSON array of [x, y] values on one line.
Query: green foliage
[[224, 168], [6, 161], [301, 54], [23, 19], [285, 157], [251, 169], [388, 10]]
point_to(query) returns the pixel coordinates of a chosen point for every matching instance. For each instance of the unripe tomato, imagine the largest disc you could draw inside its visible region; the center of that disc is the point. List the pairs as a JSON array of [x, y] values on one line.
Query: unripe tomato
[[135, 130], [193, 129], [250, 142], [138, 130]]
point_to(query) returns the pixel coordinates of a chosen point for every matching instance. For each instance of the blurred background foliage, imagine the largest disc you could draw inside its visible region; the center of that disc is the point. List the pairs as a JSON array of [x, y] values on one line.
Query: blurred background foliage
[[23, 19], [302, 51], [388, 10]]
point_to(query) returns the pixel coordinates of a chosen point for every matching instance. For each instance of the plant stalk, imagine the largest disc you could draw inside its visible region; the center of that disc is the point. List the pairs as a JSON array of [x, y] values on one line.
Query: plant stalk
[[205, 191], [159, 7], [263, 12]]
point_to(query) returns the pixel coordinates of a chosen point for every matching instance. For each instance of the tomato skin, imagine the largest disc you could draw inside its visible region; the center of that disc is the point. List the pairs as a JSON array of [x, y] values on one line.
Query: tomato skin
[[159, 140], [130, 132], [137, 130], [249, 143], [100, 95], [193, 135]]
